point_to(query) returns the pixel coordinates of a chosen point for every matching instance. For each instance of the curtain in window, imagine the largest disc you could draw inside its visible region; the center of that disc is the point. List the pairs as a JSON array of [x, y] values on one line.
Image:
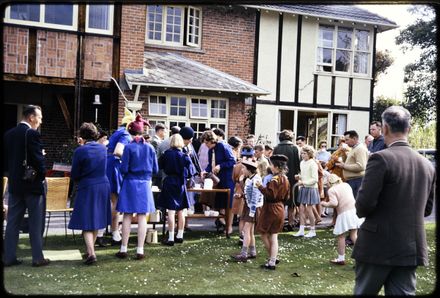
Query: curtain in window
[[341, 124], [25, 12], [361, 58], [99, 16], [61, 14]]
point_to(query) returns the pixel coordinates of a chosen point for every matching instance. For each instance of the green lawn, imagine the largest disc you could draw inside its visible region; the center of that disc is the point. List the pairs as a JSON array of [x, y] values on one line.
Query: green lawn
[[201, 265]]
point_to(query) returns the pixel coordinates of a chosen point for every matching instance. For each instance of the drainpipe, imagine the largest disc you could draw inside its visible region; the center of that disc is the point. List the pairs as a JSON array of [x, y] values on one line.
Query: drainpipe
[[77, 100]]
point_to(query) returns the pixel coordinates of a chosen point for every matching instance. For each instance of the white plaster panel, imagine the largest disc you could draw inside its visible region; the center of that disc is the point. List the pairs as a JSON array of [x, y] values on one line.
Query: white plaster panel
[[288, 58], [307, 60], [358, 121], [341, 91], [267, 121], [324, 90], [361, 93], [267, 54]]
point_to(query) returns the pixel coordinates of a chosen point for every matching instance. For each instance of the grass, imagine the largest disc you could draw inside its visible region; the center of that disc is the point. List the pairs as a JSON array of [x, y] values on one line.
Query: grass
[[199, 266]]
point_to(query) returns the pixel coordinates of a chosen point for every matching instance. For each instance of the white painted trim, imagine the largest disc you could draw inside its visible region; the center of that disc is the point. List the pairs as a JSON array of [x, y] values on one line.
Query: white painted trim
[[110, 22]]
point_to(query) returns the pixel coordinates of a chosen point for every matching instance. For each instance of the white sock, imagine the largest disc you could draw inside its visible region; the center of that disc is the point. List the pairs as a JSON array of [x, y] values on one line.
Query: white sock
[[100, 233], [301, 228], [179, 234], [116, 236], [123, 248], [140, 250], [341, 257], [171, 235]]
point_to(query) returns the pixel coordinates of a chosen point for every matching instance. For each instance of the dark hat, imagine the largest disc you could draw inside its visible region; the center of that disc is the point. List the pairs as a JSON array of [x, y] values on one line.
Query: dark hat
[[300, 138], [186, 132], [138, 124], [234, 141], [279, 157], [250, 162], [247, 151]]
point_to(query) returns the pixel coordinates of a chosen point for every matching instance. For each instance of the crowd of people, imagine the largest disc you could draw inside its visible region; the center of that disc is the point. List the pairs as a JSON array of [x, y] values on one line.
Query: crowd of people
[[286, 187]]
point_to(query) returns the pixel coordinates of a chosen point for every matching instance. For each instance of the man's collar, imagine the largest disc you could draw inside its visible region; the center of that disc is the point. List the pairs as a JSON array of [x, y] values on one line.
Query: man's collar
[[24, 122]]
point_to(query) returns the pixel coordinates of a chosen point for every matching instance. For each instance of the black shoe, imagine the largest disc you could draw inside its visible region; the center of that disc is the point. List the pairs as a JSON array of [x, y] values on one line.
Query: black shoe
[[14, 263], [100, 242], [139, 256], [168, 242], [178, 240], [41, 263], [267, 266], [90, 260], [121, 255], [115, 243]]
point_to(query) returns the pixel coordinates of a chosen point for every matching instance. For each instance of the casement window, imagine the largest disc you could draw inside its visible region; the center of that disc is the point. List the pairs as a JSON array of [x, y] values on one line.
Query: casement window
[[199, 108], [185, 110], [173, 25], [99, 18], [58, 16], [343, 50], [157, 105]]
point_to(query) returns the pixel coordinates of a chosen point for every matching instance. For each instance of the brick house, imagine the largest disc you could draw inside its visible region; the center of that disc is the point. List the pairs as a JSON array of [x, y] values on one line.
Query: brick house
[[203, 66]]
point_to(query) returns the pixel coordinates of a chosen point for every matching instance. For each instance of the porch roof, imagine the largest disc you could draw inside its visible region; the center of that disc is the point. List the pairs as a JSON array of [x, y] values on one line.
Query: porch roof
[[350, 13], [169, 70]]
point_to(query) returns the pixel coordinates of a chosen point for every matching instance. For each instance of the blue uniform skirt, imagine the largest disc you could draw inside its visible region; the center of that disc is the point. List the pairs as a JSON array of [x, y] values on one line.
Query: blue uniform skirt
[[92, 209], [136, 196]]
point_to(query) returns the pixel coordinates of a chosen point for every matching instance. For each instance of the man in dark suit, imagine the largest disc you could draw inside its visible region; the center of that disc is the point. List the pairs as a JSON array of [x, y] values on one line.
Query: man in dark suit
[[287, 147], [23, 194], [396, 193]]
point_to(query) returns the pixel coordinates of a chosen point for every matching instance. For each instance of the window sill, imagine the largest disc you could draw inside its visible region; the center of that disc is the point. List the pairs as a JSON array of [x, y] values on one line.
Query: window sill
[[176, 48], [342, 75]]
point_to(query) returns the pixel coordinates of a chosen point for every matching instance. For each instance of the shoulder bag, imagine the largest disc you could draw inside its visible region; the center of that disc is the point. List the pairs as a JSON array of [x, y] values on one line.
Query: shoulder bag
[[29, 172]]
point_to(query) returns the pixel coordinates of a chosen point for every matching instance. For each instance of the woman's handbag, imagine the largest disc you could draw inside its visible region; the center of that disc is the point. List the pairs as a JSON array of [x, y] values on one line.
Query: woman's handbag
[[29, 172]]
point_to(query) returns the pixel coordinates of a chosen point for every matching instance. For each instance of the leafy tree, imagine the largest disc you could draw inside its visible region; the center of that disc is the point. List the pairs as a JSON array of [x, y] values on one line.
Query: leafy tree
[[380, 104], [423, 136], [383, 61], [420, 76]]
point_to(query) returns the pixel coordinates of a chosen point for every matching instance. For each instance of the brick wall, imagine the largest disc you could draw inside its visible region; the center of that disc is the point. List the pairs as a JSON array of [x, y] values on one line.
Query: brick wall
[[56, 54], [227, 44], [98, 58], [132, 37], [15, 50], [228, 40]]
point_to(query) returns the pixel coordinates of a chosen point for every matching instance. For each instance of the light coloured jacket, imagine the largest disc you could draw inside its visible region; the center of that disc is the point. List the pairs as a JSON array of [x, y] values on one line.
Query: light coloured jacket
[[254, 198]]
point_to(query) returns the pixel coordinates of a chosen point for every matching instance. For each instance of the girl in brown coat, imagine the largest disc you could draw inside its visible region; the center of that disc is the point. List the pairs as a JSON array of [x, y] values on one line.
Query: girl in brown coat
[[271, 219]]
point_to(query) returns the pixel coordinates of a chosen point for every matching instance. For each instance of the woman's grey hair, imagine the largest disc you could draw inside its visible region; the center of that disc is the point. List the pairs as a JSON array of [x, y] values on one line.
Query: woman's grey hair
[[397, 118]]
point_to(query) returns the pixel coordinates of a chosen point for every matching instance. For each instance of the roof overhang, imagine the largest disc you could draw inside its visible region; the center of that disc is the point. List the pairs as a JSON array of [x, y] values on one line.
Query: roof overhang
[[382, 26], [169, 70]]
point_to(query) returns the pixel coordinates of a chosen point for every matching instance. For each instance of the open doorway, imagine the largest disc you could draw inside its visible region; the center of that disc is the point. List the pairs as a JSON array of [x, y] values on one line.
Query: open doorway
[[313, 126]]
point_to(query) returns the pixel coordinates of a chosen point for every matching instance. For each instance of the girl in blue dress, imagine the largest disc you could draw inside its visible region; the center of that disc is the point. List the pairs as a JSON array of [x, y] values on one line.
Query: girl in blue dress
[[138, 165], [118, 140], [92, 209], [178, 168]]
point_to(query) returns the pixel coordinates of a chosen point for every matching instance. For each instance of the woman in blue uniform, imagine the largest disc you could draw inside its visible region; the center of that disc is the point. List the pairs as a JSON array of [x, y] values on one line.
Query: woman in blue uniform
[[221, 163], [178, 168], [92, 209], [138, 165], [115, 148]]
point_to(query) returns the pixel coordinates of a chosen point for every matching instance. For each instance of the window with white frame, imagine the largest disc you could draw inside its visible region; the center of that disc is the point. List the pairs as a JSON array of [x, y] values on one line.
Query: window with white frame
[[339, 127], [157, 105], [218, 108], [343, 50], [99, 18], [58, 16], [199, 108], [178, 106], [194, 24], [173, 25], [173, 110]]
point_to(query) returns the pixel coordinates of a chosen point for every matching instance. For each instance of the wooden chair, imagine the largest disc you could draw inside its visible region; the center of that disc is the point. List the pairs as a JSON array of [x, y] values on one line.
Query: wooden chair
[[57, 199]]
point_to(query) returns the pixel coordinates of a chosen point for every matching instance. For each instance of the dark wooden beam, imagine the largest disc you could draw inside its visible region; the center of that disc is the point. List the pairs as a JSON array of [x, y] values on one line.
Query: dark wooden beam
[[65, 111], [32, 52], [279, 57], [54, 81], [298, 59]]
